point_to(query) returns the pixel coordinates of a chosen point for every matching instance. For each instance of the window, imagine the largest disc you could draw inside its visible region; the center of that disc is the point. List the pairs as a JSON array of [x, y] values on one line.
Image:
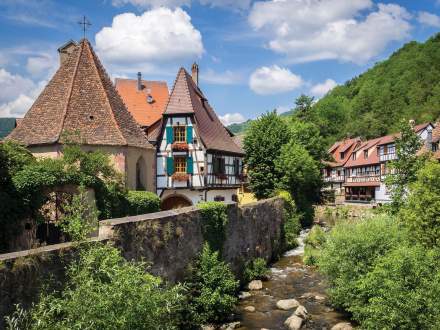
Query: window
[[180, 164], [219, 198], [236, 167], [435, 147], [234, 198], [353, 156], [179, 134], [365, 154], [219, 165], [342, 155]]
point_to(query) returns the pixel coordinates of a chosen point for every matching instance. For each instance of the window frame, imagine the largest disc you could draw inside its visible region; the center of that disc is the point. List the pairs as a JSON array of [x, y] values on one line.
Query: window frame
[[179, 134], [180, 162]]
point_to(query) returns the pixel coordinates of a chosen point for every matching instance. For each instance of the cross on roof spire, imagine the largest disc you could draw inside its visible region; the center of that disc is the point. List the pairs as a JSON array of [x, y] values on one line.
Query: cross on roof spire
[[85, 23]]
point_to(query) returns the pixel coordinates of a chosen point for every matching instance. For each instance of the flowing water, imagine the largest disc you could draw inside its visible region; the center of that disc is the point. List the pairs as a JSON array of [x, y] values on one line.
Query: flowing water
[[289, 278]]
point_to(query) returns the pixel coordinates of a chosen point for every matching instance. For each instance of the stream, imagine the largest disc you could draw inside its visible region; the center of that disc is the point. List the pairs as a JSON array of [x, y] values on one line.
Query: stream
[[289, 278]]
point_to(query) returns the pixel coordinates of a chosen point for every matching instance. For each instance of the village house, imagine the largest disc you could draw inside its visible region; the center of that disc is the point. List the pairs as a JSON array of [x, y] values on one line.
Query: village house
[[196, 156], [365, 166], [80, 99]]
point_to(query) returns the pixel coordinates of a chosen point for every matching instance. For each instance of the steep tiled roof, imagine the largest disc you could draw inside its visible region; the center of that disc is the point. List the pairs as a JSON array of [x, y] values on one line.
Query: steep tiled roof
[[146, 113], [373, 157], [392, 137], [344, 146], [81, 98], [187, 98]]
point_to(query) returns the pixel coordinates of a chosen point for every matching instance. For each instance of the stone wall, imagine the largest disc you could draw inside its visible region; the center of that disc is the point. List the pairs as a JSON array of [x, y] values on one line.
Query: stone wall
[[169, 240]]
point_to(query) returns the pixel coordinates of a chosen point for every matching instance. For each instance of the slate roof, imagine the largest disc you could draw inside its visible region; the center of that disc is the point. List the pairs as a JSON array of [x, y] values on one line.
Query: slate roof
[[81, 98], [186, 98], [136, 101]]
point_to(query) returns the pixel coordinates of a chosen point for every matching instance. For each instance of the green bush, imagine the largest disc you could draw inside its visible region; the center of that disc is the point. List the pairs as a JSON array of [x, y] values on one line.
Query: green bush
[[313, 245], [292, 223], [422, 209], [255, 270], [141, 202], [214, 221], [402, 291], [212, 289], [104, 291], [350, 252]]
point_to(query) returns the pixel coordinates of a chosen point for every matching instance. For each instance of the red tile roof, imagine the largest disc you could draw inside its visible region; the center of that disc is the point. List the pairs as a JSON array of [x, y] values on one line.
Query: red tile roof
[[187, 98], [146, 113], [344, 146], [360, 160], [80, 97]]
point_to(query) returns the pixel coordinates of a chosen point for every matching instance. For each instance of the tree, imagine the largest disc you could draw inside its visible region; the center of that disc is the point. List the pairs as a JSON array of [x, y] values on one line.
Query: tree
[[421, 212], [262, 144], [300, 176], [308, 135], [303, 106], [403, 170]]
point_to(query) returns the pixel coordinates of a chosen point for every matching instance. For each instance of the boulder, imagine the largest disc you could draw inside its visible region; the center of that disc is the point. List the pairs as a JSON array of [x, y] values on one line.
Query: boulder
[[301, 311], [250, 309], [231, 326], [286, 304], [342, 326], [207, 327], [294, 322], [319, 298], [255, 285]]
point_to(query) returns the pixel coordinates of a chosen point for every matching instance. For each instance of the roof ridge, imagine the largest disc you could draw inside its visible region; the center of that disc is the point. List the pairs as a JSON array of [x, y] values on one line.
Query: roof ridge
[[70, 91], [107, 98], [172, 90]]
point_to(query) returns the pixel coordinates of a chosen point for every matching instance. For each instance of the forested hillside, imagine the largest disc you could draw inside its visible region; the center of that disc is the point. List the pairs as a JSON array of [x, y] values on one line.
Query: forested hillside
[[407, 85]]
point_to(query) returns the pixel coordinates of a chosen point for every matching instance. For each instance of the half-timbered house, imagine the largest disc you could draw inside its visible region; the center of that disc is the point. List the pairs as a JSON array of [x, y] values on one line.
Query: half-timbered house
[[197, 158]]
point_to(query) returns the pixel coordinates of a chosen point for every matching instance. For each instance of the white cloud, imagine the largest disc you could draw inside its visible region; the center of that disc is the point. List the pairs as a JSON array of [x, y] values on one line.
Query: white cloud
[[283, 108], [428, 19], [321, 89], [146, 4], [309, 30], [41, 65], [157, 36], [232, 118], [273, 80], [221, 78], [17, 94]]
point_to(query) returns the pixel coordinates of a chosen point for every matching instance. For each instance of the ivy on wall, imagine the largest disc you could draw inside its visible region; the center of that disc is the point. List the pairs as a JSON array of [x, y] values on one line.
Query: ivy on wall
[[214, 221]]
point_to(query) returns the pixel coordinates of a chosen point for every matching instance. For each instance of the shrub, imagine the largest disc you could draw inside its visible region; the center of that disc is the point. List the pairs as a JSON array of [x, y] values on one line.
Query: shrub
[[402, 291], [313, 245], [141, 202], [350, 253], [422, 210], [255, 269], [104, 291], [292, 224], [214, 221], [212, 289]]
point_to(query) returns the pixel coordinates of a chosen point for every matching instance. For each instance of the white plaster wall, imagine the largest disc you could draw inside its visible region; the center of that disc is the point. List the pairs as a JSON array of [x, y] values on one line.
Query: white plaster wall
[[381, 194], [197, 196]]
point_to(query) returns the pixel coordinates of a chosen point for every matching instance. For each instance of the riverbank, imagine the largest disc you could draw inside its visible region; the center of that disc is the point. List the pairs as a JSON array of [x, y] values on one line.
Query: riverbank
[[289, 279]]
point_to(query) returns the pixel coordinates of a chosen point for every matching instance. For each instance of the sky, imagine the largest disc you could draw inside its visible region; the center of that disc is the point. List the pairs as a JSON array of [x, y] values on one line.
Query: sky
[[254, 56]]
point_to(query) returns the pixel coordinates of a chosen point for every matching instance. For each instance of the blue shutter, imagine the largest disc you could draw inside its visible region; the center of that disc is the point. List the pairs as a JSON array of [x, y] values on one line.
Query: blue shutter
[[170, 138], [189, 165], [189, 134], [170, 166]]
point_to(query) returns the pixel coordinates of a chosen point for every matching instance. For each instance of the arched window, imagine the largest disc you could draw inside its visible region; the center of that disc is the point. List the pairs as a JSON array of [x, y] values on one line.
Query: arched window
[[141, 183]]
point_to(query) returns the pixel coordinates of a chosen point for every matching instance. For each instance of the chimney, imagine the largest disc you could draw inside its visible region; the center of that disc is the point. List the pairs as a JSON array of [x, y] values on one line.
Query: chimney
[[65, 50], [139, 85], [195, 73], [429, 139]]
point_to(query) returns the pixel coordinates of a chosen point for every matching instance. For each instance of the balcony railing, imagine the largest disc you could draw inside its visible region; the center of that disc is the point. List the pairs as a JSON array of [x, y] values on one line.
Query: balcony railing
[[386, 157], [339, 178], [364, 178]]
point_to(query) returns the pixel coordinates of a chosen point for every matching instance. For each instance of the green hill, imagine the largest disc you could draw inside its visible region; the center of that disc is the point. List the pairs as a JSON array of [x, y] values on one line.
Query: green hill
[[405, 86]]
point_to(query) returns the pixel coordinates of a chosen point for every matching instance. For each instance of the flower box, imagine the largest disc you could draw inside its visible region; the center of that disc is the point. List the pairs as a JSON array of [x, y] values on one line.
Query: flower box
[[179, 146], [180, 177]]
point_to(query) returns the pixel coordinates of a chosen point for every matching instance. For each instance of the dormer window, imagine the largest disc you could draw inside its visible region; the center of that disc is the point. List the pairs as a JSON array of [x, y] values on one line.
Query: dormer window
[[342, 154], [353, 156], [150, 99], [365, 154]]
